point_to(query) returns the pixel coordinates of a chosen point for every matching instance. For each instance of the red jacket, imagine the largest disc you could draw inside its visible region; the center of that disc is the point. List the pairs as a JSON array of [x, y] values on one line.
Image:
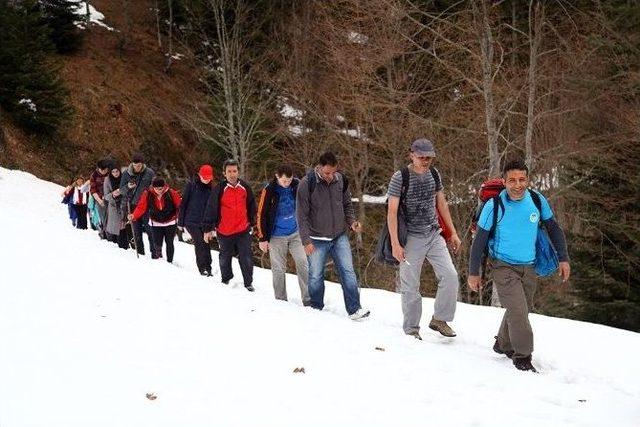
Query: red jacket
[[234, 217], [158, 210]]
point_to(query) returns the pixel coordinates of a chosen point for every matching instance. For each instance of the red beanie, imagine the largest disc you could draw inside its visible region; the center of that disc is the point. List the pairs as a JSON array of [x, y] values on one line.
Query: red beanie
[[206, 172]]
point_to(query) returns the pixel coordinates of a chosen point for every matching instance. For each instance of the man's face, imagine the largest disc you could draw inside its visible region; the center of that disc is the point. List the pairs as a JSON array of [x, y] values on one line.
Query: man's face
[[421, 161], [328, 172], [137, 167], [516, 182], [103, 171], [158, 190], [231, 173], [204, 181], [284, 181]]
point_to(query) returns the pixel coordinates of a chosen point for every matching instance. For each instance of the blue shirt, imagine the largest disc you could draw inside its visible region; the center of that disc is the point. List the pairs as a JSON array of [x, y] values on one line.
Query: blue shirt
[[514, 240], [285, 222]]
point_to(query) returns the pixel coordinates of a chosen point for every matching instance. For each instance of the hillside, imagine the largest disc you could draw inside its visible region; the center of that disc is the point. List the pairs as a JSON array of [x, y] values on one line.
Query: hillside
[[88, 331], [123, 102]]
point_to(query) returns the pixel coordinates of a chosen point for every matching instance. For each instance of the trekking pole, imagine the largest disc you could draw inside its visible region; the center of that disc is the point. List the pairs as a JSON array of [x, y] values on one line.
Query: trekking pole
[[133, 230]]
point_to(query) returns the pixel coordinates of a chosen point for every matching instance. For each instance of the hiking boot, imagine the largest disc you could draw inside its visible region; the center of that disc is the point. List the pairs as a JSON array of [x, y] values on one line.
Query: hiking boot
[[416, 335], [360, 314], [524, 364], [250, 287], [497, 349], [442, 327]]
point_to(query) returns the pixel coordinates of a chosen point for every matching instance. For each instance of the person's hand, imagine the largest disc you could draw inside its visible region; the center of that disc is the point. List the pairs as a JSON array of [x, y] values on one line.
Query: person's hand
[[131, 184], [455, 243], [564, 271], [116, 192], [398, 253], [475, 283], [309, 248], [101, 202], [181, 228], [130, 217], [356, 226], [208, 236], [264, 246]]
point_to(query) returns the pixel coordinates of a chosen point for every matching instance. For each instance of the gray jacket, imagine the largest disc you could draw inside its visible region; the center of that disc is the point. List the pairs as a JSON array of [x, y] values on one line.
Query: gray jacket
[[143, 181], [115, 213], [328, 213]]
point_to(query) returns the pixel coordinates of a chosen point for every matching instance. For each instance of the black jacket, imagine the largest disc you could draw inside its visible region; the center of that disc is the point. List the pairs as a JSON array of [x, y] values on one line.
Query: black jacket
[[268, 206], [211, 218], [194, 201]]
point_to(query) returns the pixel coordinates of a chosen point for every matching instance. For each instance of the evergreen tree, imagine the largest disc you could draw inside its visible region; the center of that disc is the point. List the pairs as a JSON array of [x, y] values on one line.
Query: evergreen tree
[[31, 91], [60, 16]]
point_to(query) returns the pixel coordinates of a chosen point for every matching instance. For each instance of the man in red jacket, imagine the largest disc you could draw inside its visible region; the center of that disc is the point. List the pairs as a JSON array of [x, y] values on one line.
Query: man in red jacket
[[162, 203], [231, 212]]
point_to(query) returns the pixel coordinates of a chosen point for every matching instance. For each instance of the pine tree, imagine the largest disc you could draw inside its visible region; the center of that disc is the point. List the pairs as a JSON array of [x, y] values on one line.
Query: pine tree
[[60, 17], [31, 91]]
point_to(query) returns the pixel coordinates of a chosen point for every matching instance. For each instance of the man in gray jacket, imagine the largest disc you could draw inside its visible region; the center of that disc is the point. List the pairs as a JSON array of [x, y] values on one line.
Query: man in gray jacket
[[135, 179], [325, 214]]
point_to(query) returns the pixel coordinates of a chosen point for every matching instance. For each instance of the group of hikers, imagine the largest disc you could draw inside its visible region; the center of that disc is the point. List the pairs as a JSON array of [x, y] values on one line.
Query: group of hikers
[[311, 218]]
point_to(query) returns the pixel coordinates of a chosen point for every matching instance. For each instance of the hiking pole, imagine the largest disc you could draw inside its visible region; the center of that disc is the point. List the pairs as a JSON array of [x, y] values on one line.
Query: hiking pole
[[133, 230]]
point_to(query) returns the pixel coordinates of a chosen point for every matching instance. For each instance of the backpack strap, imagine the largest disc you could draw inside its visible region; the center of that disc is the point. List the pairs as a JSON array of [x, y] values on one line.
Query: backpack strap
[[435, 175], [403, 190], [536, 201], [312, 180], [497, 205]]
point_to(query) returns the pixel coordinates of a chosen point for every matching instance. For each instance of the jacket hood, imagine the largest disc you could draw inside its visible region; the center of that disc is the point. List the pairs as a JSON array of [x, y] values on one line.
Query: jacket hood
[[132, 172]]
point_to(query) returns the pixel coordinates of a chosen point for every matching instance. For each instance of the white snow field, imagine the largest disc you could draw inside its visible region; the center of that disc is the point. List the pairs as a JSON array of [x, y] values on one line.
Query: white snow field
[[87, 331]]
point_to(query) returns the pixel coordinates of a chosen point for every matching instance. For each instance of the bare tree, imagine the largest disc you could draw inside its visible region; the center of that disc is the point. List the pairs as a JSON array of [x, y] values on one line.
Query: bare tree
[[236, 106]]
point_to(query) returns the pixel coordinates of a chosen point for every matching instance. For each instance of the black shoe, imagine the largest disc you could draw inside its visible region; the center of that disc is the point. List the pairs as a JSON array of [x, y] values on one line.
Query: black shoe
[[497, 349], [225, 282], [524, 364], [250, 287]]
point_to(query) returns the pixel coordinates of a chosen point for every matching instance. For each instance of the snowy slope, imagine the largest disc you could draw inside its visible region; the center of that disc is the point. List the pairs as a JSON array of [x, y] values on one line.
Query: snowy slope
[[87, 330]]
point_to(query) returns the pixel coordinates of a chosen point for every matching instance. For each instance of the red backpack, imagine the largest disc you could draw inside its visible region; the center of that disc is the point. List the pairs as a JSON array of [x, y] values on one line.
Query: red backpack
[[488, 190]]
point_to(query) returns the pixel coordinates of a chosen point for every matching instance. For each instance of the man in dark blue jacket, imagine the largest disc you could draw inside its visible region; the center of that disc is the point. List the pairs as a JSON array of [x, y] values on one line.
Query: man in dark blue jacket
[[278, 232], [194, 201]]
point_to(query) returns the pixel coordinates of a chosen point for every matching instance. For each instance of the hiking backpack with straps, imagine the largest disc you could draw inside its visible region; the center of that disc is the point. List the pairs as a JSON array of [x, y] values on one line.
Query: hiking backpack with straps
[[312, 180], [383, 251]]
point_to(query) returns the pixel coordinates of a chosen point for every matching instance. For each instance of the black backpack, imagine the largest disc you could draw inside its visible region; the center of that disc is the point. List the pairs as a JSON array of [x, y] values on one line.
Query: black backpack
[[312, 180]]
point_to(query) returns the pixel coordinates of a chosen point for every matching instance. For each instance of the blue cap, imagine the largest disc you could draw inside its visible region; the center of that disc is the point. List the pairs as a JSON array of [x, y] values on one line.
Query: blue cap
[[423, 147]]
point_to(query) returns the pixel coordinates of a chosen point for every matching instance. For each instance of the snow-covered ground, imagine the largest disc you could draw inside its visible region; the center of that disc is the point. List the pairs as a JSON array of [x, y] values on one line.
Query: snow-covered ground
[[87, 331]]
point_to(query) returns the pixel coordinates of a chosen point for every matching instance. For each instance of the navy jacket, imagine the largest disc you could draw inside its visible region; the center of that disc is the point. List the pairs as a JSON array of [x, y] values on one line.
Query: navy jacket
[[194, 201], [268, 207]]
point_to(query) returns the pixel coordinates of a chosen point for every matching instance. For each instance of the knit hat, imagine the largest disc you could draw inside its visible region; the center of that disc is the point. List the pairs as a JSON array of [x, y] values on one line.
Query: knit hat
[[206, 172], [138, 158]]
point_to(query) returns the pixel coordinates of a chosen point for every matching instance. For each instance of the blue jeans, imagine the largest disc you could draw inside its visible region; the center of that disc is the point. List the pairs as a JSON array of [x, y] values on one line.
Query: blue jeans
[[340, 251]]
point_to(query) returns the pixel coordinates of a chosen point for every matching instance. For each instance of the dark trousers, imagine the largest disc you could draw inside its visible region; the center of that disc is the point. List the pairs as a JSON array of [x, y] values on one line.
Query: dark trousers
[[202, 248], [167, 234], [138, 227], [122, 239], [81, 213], [240, 242]]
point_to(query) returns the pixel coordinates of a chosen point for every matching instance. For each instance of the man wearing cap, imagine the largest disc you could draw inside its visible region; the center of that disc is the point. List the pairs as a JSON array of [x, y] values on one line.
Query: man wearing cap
[[422, 200], [194, 201], [136, 178]]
